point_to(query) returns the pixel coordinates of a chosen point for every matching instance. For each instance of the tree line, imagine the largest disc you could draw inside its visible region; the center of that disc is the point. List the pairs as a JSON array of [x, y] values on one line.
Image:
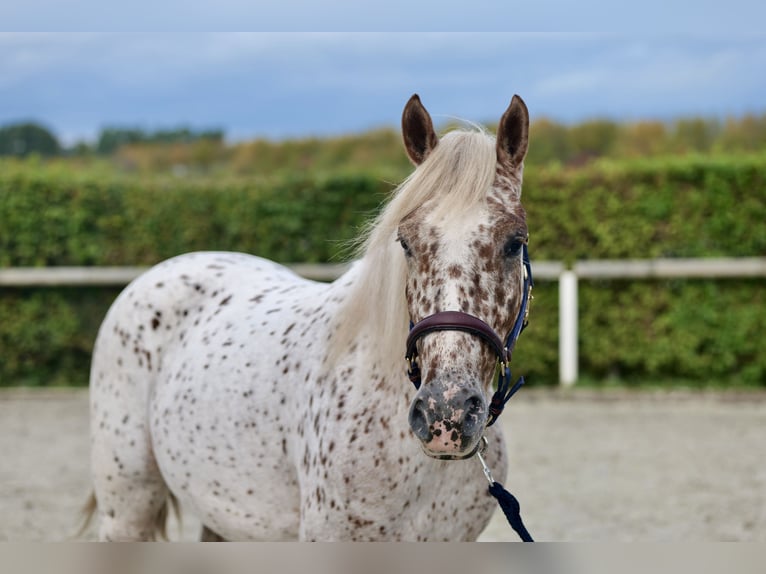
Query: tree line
[[22, 139], [136, 149]]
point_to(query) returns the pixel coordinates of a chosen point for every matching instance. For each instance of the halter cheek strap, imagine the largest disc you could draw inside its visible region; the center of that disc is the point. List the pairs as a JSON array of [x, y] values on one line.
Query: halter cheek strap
[[459, 321]]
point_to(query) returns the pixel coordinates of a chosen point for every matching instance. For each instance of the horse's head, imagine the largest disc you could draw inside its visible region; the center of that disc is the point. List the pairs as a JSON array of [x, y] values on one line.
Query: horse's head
[[463, 256]]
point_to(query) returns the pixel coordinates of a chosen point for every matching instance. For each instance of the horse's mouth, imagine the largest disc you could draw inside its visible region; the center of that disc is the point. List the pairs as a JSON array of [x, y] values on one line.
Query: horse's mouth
[[442, 455]]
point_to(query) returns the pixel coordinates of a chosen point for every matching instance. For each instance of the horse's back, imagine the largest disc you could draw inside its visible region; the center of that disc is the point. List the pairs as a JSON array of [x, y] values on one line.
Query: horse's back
[[178, 366], [156, 312]]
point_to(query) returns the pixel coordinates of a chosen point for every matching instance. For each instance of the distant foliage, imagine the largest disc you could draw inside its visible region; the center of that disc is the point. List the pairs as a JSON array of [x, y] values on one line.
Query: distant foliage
[[113, 138], [580, 143], [25, 139], [380, 152], [679, 207], [185, 152]]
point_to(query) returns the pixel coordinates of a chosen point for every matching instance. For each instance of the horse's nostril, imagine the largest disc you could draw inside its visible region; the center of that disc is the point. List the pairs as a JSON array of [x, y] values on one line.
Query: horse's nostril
[[419, 422], [473, 408], [473, 404]]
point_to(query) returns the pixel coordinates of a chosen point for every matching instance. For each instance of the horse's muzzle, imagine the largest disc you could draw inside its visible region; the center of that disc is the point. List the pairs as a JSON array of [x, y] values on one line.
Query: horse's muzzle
[[448, 420]]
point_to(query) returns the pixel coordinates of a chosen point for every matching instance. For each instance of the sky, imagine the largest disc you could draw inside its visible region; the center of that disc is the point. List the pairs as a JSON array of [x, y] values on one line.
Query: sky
[[298, 83]]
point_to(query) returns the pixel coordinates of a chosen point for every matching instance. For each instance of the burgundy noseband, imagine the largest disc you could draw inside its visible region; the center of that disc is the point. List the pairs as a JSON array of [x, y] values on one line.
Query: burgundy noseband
[[454, 321], [459, 321]]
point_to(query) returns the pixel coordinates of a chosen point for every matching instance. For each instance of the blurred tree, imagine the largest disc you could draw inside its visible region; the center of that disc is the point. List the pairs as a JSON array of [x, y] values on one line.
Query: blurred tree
[[642, 139], [695, 134], [80, 149], [591, 139], [745, 134], [112, 138], [551, 142], [27, 138]]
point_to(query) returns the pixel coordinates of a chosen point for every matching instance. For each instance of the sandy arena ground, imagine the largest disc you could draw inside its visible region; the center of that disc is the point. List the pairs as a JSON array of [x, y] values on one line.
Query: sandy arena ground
[[586, 466]]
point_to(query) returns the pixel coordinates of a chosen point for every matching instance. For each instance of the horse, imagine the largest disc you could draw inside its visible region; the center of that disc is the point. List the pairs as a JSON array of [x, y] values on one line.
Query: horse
[[277, 408]]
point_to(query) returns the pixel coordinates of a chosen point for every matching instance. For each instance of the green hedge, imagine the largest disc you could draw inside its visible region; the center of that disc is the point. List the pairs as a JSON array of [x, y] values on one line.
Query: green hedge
[[698, 331], [51, 221]]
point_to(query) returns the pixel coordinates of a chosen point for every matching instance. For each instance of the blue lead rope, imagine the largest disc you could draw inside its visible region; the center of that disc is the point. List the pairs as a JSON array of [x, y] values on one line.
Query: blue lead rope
[[511, 509], [508, 503]]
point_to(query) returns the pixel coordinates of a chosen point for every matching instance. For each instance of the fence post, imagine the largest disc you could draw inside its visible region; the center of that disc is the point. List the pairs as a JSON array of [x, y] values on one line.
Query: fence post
[[567, 328]]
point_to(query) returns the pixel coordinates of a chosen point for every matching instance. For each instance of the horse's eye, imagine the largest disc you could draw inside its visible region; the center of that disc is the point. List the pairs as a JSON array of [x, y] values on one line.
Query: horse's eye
[[513, 246], [405, 246]]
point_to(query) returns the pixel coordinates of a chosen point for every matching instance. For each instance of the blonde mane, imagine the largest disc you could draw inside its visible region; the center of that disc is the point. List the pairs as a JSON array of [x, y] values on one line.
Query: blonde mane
[[457, 174]]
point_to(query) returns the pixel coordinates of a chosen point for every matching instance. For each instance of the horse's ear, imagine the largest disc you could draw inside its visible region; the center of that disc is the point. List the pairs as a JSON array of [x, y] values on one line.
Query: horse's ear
[[417, 131], [513, 134]]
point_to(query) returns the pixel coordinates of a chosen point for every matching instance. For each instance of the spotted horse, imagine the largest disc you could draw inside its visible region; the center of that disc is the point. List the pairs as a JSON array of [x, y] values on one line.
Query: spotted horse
[[277, 408]]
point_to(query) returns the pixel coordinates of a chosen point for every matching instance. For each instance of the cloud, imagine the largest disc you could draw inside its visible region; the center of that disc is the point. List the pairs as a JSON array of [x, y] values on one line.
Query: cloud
[[660, 77]]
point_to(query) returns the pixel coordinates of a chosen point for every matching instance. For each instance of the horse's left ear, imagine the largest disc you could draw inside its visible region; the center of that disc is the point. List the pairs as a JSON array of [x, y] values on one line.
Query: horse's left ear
[[513, 134]]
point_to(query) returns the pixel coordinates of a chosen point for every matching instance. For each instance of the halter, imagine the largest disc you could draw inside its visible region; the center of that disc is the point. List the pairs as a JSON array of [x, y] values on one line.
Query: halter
[[459, 321]]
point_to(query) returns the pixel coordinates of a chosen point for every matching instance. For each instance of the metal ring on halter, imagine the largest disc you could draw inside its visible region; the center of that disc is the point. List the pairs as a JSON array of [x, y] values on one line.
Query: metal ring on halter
[[479, 455]]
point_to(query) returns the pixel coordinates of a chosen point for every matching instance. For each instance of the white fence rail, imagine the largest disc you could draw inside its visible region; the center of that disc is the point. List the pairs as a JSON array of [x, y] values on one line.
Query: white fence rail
[[631, 269]]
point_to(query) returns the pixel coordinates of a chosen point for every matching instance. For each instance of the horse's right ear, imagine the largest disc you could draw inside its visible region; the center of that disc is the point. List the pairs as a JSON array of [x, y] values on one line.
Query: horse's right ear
[[417, 131]]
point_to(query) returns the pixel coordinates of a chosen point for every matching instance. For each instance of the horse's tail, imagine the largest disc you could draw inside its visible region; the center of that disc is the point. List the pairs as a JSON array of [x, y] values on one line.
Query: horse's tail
[[160, 529], [87, 511], [161, 522]]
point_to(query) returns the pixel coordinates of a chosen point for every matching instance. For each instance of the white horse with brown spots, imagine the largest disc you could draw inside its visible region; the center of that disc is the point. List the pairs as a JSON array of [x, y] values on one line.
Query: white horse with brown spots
[[277, 408]]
